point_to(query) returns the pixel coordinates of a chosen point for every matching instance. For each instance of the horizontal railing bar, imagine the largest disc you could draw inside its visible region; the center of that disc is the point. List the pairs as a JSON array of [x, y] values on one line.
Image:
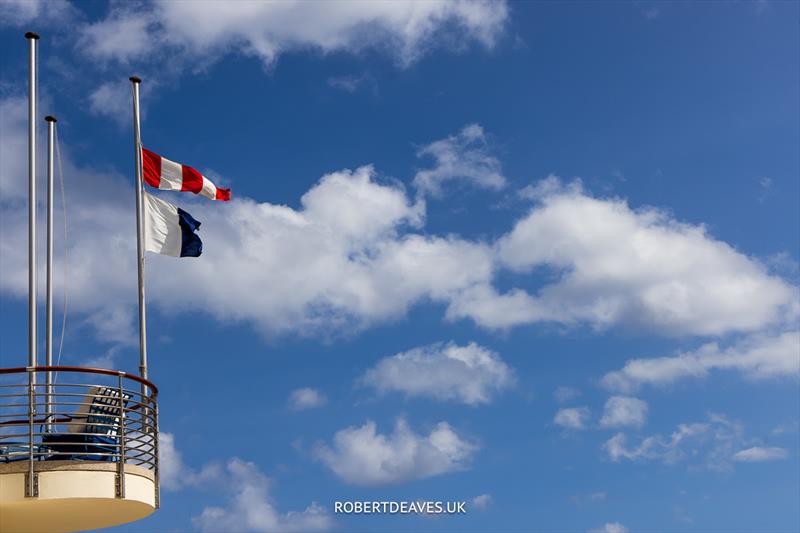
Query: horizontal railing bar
[[40, 455], [115, 405], [85, 370], [37, 421], [61, 386], [131, 395]]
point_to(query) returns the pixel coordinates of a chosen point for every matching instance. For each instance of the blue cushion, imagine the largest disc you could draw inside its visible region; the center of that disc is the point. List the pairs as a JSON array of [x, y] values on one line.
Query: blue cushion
[[76, 447]]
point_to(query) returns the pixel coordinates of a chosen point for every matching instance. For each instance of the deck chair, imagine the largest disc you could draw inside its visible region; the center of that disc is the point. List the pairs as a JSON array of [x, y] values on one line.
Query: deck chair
[[92, 434]]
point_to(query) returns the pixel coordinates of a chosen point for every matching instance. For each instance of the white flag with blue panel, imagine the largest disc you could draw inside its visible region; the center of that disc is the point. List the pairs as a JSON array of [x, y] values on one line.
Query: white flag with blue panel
[[169, 230]]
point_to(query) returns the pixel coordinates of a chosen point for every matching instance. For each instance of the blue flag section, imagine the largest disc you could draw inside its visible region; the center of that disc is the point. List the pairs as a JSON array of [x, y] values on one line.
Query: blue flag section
[[191, 245]]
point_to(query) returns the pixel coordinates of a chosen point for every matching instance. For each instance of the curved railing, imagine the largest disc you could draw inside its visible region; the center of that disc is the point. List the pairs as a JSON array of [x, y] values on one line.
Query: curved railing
[[66, 413]]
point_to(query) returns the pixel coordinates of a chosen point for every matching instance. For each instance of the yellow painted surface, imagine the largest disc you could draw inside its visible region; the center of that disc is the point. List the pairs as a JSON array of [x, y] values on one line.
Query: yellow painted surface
[[72, 499]]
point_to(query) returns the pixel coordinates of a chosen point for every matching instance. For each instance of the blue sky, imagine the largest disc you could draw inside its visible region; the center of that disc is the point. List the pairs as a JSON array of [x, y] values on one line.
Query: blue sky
[[540, 257]]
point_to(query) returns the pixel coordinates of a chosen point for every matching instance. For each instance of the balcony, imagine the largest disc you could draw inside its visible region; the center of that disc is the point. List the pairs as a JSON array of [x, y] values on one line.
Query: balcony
[[78, 450]]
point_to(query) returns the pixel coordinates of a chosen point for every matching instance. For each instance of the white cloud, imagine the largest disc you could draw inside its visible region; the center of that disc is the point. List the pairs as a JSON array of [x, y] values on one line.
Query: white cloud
[[44, 12], [572, 417], [651, 13], [127, 33], [610, 527], [550, 186], [362, 456], [468, 374], [200, 33], [101, 292], [482, 501], [765, 186], [352, 84], [712, 444], [306, 398], [757, 454], [343, 260], [336, 265], [354, 254], [487, 308], [113, 100], [616, 265], [564, 394], [250, 507], [758, 356], [173, 472], [13, 148], [346, 83], [593, 497], [462, 157], [624, 411]]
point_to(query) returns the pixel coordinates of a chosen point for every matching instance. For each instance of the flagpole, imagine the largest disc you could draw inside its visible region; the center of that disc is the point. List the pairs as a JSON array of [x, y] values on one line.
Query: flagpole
[[137, 145], [32, 41], [51, 128]]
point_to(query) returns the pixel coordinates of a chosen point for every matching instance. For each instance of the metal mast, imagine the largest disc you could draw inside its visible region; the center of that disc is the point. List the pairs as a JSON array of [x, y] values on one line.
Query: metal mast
[[33, 38], [137, 145], [51, 128]]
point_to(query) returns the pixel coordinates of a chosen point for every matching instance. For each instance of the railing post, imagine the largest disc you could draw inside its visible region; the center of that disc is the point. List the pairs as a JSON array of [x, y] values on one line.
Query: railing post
[[31, 484], [120, 488], [157, 459]]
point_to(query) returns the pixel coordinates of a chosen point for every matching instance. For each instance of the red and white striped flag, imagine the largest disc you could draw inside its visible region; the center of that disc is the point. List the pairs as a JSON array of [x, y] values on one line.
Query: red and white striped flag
[[161, 173]]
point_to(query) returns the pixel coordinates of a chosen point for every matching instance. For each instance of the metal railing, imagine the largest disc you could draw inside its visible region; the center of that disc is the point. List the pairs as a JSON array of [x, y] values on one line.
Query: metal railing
[[88, 414]]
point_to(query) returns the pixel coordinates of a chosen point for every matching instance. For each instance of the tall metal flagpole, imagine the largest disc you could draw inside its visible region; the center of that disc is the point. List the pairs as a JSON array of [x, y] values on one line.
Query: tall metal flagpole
[[32, 40], [137, 145], [51, 128]]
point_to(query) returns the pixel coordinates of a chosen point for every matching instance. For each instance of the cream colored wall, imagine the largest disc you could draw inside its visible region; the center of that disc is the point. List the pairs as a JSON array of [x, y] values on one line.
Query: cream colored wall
[[73, 500]]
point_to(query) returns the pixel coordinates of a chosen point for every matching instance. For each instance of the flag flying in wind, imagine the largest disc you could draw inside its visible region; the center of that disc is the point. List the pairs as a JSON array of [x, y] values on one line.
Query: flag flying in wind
[[161, 173], [169, 230]]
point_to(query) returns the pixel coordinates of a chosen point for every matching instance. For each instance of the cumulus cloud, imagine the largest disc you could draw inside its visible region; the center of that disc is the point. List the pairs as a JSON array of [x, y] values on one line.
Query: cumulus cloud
[[250, 507], [128, 32], [351, 84], [44, 12], [468, 374], [488, 308], [346, 258], [592, 497], [362, 456], [482, 501], [102, 290], [201, 33], [618, 265], [757, 356], [624, 411], [173, 472], [757, 454], [610, 527], [354, 253], [13, 148], [564, 394], [109, 99], [248, 503], [461, 157], [550, 186], [113, 100], [713, 444], [306, 398], [572, 417]]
